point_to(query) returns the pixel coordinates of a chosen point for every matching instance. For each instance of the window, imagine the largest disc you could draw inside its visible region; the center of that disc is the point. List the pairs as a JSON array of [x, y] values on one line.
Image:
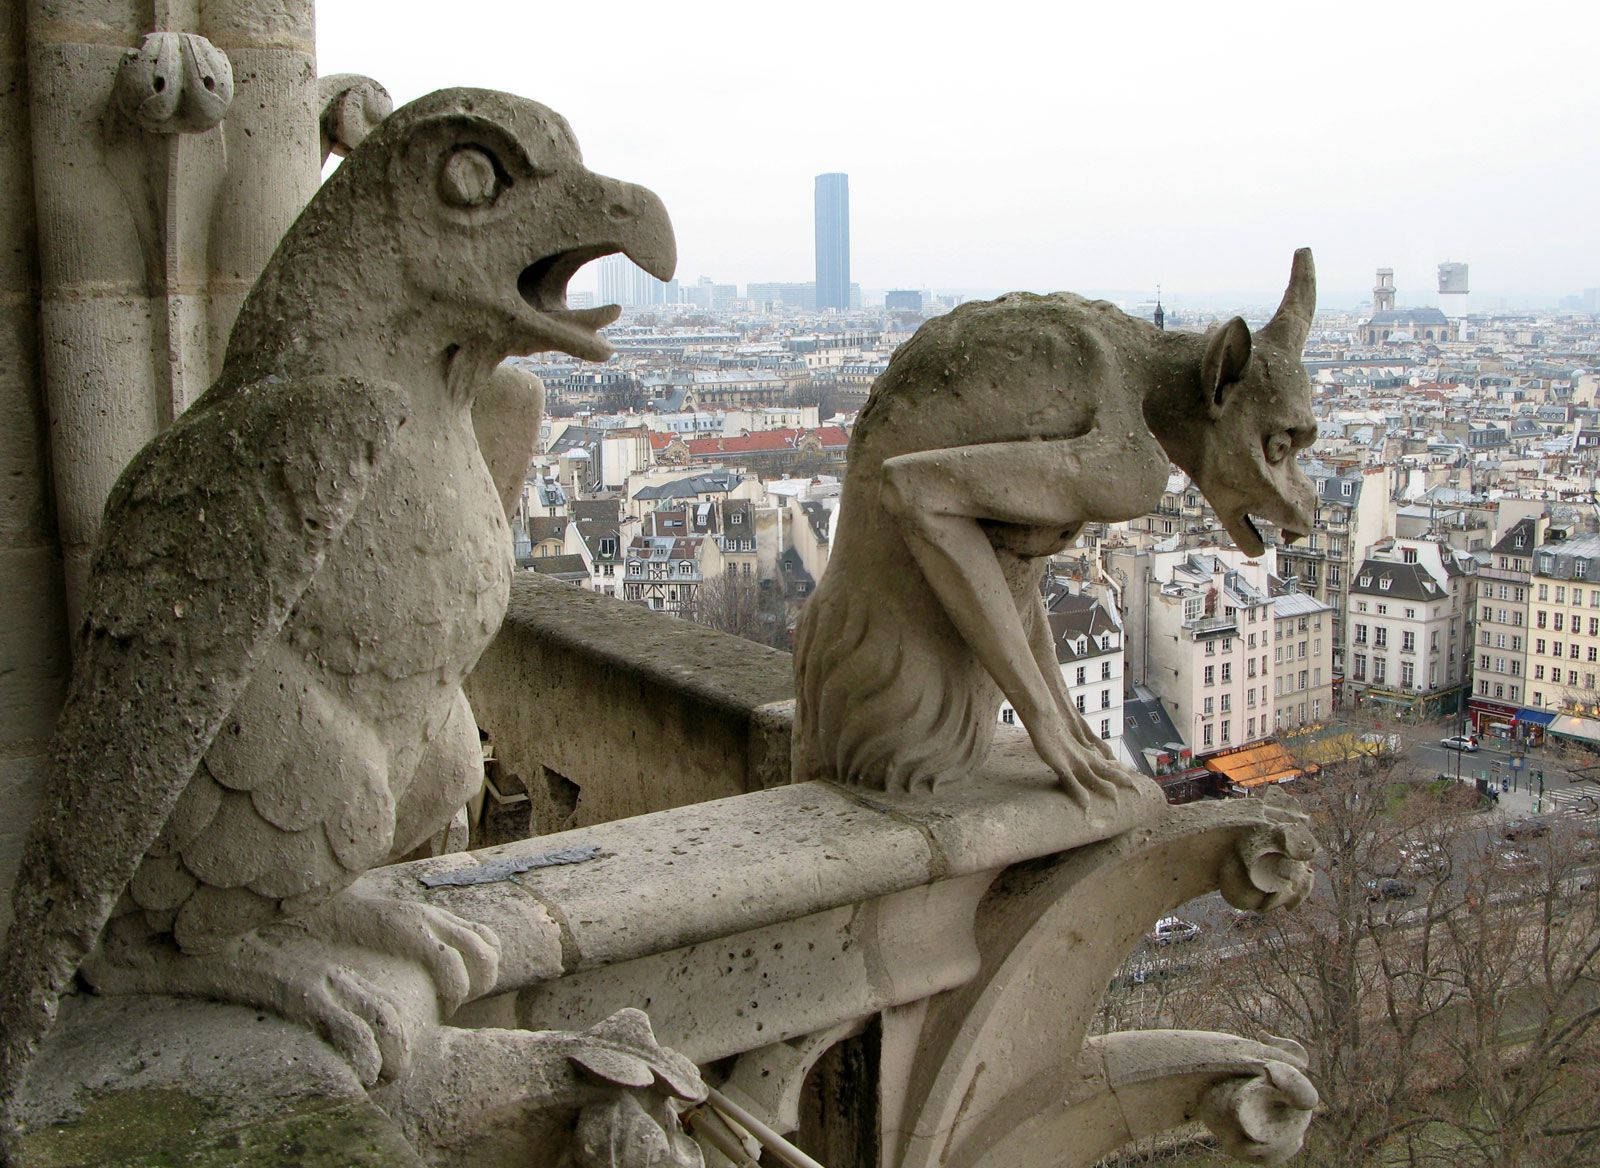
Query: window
[[1380, 669], [1361, 634], [1499, 690], [1078, 701], [1208, 729], [1211, 674], [1538, 673], [1538, 645], [1538, 697], [1105, 699], [1540, 617], [1572, 677], [1380, 637], [1411, 614], [1382, 608], [1081, 675], [1227, 671], [1579, 571], [1572, 650], [1561, 593], [1407, 675], [1008, 716], [1359, 667], [1544, 589], [1105, 727], [1483, 661], [1206, 708], [1385, 584], [1250, 731], [1227, 702], [1408, 555], [1277, 687], [1211, 647], [1227, 732], [1556, 620], [1408, 642], [1105, 670]]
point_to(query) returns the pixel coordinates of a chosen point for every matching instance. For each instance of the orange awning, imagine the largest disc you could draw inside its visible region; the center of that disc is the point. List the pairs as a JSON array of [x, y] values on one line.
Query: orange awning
[[1255, 766]]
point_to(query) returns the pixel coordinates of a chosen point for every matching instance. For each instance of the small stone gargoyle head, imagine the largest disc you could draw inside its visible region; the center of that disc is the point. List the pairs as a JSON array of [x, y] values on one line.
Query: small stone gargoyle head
[[1258, 414], [637, 1125]]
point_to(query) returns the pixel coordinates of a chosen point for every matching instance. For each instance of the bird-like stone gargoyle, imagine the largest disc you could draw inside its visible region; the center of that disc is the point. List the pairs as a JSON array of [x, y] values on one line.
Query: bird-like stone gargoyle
[[291, 584], [995, 433]]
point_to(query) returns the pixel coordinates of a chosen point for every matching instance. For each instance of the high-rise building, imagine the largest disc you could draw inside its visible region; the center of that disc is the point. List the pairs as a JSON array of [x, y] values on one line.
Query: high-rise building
[[625, 283], [833, 240]]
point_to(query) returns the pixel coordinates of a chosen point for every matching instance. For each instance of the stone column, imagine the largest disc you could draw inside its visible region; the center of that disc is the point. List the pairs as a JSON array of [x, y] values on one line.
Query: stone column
[[33, 635], [98, 338], [274, 155], [129, 245]]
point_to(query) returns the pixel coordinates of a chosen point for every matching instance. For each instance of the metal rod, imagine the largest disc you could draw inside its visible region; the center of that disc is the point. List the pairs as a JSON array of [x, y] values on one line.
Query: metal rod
[[707, 1123], [792, 1156]]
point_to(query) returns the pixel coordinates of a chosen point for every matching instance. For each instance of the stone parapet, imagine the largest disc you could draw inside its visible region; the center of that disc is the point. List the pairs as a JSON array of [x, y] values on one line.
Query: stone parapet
[[605, 710]]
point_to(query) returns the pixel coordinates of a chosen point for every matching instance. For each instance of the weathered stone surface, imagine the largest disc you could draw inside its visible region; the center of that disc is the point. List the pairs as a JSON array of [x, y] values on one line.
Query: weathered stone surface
[[997, 431], [292, 582], [156, 1082], [605, 710]]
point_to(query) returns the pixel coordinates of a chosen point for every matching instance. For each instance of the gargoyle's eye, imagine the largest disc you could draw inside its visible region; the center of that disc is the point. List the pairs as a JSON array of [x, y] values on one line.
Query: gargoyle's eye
[[1278, 446], [469, 178]]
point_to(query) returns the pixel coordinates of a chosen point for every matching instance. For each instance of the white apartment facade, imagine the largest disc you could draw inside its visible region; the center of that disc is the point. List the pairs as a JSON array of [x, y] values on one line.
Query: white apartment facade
[[1406, 632], [1209, 639], [1302, 660], [1089, 652]]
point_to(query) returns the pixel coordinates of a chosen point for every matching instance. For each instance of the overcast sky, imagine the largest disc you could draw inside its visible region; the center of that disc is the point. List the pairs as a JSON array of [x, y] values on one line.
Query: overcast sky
[[1065, 145]]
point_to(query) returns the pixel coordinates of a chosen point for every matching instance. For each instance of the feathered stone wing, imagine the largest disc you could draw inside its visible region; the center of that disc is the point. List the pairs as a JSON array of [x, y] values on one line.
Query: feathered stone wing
[[210, 537]]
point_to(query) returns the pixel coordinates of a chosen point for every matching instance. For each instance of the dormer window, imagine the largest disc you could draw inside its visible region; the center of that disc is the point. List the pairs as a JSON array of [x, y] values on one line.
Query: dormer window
[[1365, 582], [1384, 584]]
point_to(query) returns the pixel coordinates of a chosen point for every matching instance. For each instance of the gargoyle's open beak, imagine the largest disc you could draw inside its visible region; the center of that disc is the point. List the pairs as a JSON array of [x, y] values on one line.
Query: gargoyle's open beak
[[633, 221]]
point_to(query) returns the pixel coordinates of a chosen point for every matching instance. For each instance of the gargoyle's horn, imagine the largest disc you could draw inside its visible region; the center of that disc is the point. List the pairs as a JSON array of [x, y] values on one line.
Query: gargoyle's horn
[[1291, 324]]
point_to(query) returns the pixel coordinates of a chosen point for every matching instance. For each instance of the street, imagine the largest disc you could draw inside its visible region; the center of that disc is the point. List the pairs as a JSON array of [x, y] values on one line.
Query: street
[[1561, 790]]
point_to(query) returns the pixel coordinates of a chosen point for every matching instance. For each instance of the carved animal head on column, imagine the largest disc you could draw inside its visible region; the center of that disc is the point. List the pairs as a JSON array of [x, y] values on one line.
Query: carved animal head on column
[[472, 209], [1256, 416]]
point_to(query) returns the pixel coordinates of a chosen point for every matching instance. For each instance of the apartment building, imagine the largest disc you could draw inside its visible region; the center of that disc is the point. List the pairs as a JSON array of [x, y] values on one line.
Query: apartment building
[[1208, 633], [1500, 667], [1088, 640], [1302, 660], [1564, 612], [1406, 629]]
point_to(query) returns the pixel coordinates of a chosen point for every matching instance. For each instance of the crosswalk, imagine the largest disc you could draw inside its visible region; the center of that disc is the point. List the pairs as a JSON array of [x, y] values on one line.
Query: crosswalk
[[1580, 800]]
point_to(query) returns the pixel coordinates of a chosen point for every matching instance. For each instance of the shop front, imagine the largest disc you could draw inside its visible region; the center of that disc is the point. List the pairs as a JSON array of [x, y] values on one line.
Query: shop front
[[1532, 724], [1492, 719]]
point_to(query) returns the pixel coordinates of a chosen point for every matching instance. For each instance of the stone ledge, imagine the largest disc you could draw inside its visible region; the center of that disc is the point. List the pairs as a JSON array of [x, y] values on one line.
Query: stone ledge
[[606, 710], [721, 868]]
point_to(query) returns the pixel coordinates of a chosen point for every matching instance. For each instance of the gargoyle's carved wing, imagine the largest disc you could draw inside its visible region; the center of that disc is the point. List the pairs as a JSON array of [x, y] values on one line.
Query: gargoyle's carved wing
[[210, 537]]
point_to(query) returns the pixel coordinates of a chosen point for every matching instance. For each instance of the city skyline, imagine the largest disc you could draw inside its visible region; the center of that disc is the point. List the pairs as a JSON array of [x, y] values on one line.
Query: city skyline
[[1101, 150]]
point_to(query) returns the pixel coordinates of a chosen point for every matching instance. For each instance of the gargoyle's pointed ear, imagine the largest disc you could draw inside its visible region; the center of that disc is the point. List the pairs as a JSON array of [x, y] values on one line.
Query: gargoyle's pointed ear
[[1227, 353], [462, 160]]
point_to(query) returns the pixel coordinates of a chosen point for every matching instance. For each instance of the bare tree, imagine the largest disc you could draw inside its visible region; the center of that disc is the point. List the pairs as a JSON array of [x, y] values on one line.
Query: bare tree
[[737, 604]]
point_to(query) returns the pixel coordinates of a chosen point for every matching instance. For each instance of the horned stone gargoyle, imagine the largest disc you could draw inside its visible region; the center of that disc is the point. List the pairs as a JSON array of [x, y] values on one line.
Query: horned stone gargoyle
[[996, 432], [291, 584]]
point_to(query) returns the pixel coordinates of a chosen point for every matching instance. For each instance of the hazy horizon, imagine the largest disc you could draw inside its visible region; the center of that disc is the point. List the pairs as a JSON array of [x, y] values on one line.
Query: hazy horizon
[[1082, 149]]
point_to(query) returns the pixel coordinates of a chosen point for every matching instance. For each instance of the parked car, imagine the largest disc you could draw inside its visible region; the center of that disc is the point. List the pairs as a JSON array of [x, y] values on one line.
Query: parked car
[[1466, 742], [1388, 888], [1516, 829], [1172, 931]]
